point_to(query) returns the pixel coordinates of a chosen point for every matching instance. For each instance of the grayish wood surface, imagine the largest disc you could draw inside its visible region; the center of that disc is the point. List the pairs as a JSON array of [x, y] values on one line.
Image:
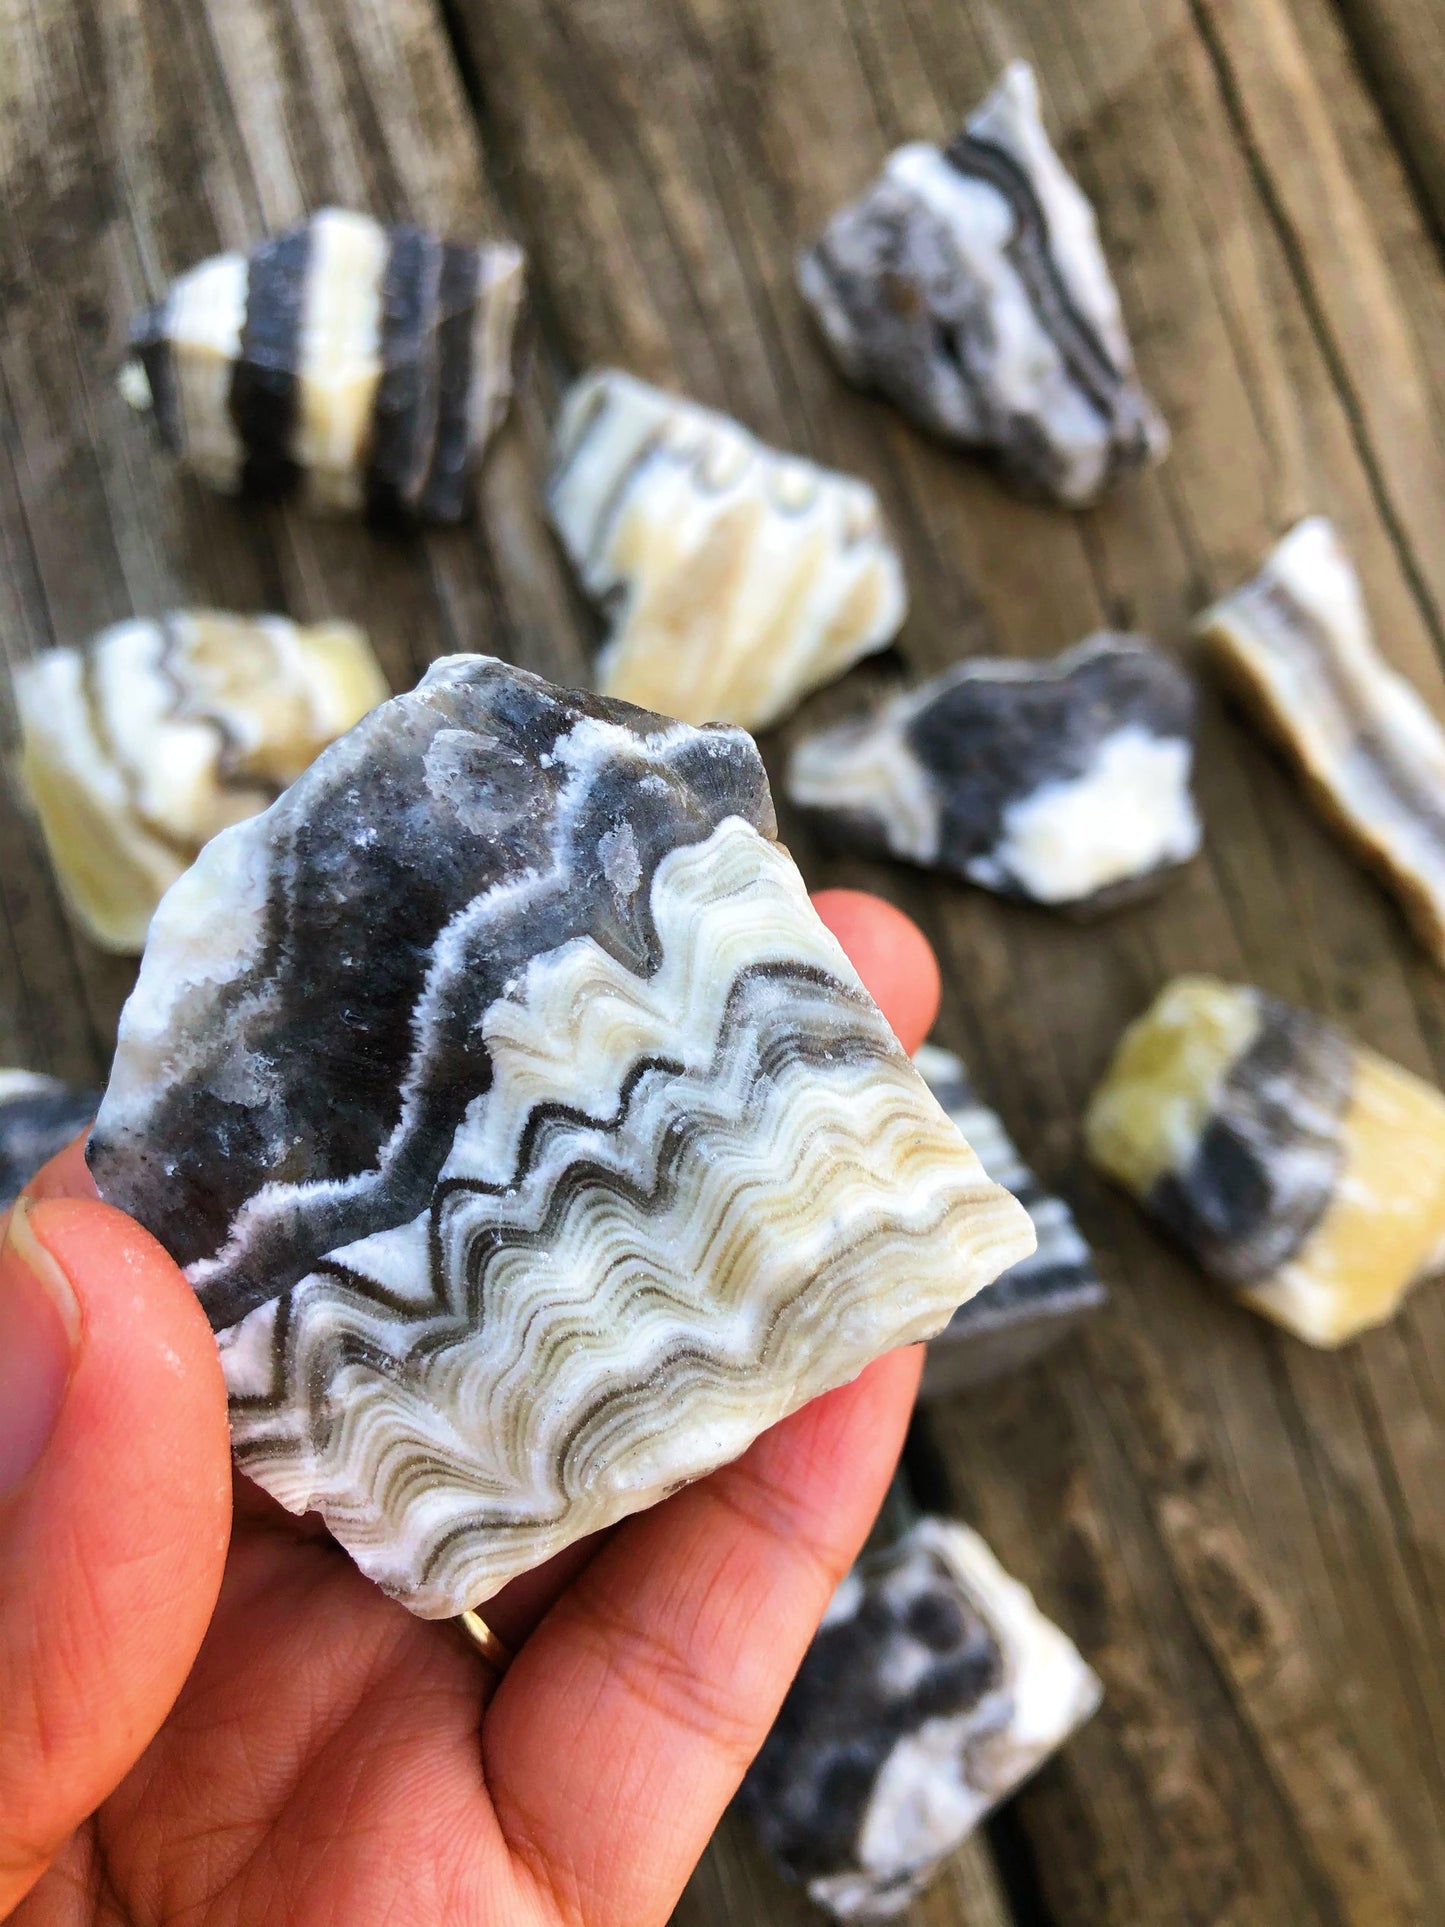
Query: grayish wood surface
[[1247, 1539]]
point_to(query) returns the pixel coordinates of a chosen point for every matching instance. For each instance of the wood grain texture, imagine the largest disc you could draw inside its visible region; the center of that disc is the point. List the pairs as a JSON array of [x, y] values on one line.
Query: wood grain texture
[[1247, 1539]]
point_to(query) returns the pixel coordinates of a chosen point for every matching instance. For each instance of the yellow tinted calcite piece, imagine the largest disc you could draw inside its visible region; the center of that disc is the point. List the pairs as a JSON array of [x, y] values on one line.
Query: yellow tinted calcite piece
[[737, 578], [1305, 1172], [138, 748]]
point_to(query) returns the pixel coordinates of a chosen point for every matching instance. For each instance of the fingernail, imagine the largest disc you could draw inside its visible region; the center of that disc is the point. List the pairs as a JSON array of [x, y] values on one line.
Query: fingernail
[[39, 1332]]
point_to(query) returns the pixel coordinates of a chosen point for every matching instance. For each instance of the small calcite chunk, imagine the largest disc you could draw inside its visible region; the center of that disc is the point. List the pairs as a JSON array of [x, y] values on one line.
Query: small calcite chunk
[[1066, 782], [1303, 1171], [934, 1686], [38, 1117], [139, 747], [359, 365], [1034, 1303], [1296, 645], [969, 286], [736, 578], [529, 1141]]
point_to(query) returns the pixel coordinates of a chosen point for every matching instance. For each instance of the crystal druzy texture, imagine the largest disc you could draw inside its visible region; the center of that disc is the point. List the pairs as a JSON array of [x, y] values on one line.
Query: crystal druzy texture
[[361, 366], [38, 1117], [1020, 1314], [141, 745], [934, 1686], [736, 577], [529, 1141], [1296, 644], [1065, 781], [1304, 1172], [968, 285]]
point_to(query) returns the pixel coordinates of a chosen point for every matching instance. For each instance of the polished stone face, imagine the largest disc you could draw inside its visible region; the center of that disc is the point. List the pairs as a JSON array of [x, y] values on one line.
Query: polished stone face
[[968, 284], [933, 1687], [1065, 781], [527, 1138]]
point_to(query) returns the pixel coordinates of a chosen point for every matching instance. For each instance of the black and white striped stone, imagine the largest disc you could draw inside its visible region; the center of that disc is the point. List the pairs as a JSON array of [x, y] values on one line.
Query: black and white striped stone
[[529, 1141], [933, 1687], [1066, 782], [969, 286], [1034, 1303], [360, 366]]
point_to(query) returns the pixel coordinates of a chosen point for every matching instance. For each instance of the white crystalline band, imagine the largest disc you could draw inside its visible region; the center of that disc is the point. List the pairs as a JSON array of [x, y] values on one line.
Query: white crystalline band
[[743, 1159], [738, 578], [339, 357], [207, 311], [1129, 813]]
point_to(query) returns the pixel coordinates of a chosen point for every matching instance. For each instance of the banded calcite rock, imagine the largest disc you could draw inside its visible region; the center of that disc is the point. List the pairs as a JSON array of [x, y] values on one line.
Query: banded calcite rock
[[1296, 644], [969, 286], [736, 578], [529, 1141], [38, 1117], [1066, 781], [1305, 1172], [934, 1686], [139, 747], [360, 365], [1035, 1302]]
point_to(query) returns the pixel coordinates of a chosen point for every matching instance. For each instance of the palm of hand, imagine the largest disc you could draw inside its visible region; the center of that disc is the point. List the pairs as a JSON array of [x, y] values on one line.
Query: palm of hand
[[328, 1760]]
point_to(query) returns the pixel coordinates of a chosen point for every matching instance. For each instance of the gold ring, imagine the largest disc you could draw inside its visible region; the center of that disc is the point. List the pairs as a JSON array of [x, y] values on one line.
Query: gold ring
[[493, 1649]]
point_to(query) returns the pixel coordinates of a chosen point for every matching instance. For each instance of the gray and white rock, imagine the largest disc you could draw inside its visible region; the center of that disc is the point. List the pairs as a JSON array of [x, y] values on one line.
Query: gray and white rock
[[1299, 1169], [530, 1143], [38, 1117], [357, 365], [1035, 1302], [1296, 644], [1066, 782], [934, 1686], [140, 746], [968, 284], [736, 577]]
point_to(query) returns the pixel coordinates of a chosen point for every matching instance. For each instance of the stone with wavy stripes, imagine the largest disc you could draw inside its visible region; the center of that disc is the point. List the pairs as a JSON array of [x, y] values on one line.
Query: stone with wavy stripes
[[529, 1141], [736, 577], [968, 284]]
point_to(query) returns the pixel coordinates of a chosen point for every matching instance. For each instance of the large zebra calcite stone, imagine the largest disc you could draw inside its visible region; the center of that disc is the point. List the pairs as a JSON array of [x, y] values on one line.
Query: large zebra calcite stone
[[1033, 1303], [137, 748], [1296, 644], [736, 578], [361, 366], [38, 1117], [968, 284], [1304, 1172], [1066, 782], [529, 1141], [934, 1686]]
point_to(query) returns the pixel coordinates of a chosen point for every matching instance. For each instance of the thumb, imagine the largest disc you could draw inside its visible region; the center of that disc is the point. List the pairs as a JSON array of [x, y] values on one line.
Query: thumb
[[114, 1511]]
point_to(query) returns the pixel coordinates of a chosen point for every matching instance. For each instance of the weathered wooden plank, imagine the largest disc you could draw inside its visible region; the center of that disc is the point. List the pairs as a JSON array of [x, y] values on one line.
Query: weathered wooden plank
[[1241, 1533], [1401, 44]]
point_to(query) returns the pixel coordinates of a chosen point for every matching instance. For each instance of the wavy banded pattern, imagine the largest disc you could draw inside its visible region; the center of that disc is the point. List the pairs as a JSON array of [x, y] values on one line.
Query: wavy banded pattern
[[605, 1299]]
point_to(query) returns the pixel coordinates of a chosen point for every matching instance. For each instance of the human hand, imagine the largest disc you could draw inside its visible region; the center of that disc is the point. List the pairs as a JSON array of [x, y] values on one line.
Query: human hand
[[208, 1714]]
